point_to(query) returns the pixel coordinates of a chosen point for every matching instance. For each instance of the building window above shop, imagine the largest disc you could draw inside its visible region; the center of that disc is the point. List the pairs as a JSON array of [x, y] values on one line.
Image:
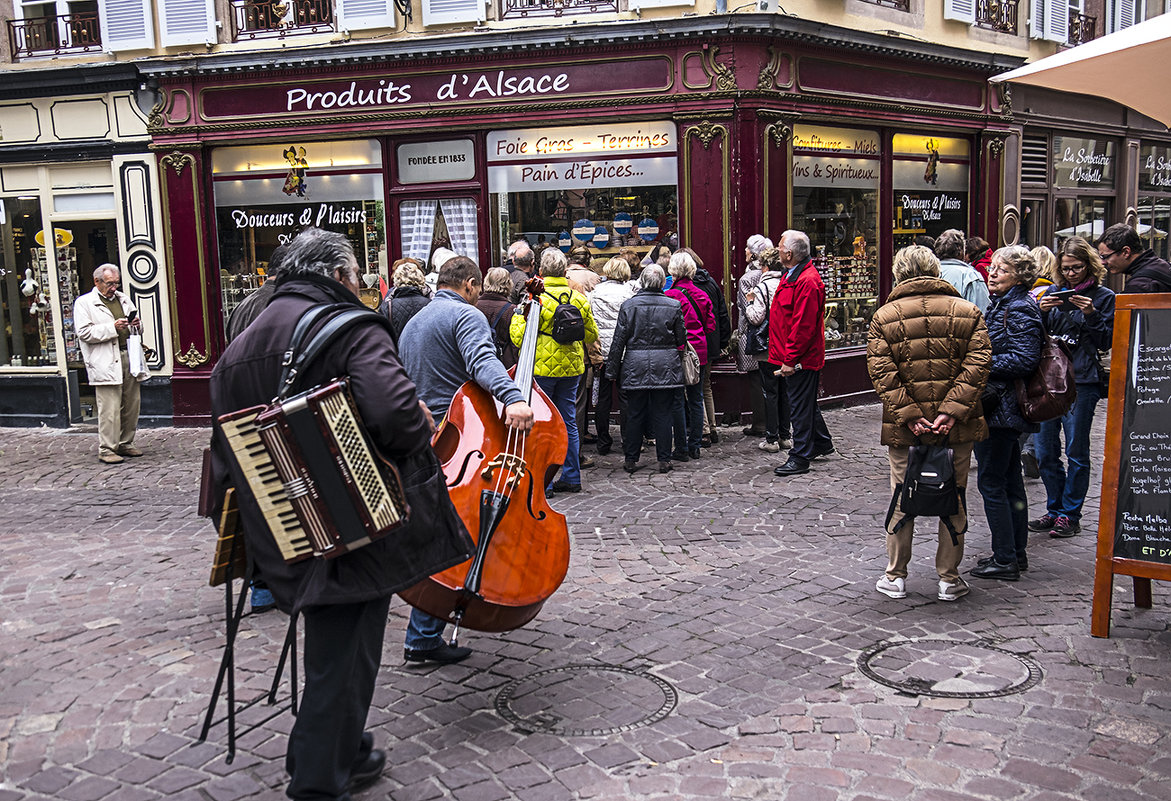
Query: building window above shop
[[54, 29], [265, 19], [521, 9], [996, 15]]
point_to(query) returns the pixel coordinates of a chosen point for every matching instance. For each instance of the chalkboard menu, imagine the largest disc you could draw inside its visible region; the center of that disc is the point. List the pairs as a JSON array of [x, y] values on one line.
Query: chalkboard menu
[[1134, 528], [1142, 527]]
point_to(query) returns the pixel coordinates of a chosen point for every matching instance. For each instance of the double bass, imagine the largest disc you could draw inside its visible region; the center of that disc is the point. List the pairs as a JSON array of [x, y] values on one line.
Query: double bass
[[496, 477]]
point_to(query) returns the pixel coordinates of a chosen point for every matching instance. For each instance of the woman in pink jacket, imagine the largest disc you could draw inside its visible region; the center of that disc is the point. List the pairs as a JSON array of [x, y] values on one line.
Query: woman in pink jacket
[[699, 320]]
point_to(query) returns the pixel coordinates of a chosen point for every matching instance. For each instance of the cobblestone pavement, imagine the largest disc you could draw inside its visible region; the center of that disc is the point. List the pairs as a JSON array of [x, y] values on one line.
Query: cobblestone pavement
[[725, 606]]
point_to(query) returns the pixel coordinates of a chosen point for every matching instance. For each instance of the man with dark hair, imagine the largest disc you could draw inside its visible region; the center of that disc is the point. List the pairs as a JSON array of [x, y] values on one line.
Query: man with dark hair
[[251, 307], [1123, 252], [344, 601], [447, 343], [957, 272], [522, 259]]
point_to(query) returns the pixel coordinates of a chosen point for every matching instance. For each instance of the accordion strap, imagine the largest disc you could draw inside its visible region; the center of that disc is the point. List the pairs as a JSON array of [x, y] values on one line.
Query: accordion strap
[[339, 317]]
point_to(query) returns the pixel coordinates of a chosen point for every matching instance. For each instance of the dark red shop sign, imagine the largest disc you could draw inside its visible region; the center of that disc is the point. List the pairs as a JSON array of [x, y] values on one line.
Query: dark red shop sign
[[652, 74]]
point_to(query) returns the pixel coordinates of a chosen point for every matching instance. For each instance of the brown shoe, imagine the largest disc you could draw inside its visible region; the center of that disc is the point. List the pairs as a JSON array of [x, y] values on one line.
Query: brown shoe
[[110, 458], [129, 450]]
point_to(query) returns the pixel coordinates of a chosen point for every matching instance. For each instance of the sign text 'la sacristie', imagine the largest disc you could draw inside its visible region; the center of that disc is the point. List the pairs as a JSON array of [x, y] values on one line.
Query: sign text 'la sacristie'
[[362, 94]]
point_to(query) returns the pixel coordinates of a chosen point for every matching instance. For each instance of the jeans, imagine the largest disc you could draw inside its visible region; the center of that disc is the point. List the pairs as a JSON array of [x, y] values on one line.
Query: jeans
[[424, 631], [693, 404], [777, 405], [1066, 487], [606, 387], [563, 392], [645, 417], [1002, 485]]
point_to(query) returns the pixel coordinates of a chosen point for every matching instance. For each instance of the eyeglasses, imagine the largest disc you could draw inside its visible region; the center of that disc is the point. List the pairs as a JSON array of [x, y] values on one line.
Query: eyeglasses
[[1073, 268], [1106, 256], [997, 270]]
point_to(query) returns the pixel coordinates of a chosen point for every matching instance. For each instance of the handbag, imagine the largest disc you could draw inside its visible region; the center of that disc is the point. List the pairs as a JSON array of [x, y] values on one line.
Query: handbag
[[1052, 388], [691, 368]]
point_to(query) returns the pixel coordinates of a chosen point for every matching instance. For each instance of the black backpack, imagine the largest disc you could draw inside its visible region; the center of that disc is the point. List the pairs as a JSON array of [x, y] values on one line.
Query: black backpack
[[568, 324], [929, 488]]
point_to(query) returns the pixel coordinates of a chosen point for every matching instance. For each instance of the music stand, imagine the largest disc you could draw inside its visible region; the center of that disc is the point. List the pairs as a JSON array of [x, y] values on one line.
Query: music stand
[[231, 562]]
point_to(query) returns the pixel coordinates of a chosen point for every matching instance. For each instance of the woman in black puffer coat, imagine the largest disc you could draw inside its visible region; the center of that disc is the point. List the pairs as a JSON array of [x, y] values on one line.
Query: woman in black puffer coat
[[1016, 331], [407, 298], [645, 358]]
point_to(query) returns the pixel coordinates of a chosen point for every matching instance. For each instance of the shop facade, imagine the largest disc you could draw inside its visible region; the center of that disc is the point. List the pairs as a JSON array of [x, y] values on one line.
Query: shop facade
[[78, 189], [711, 132]]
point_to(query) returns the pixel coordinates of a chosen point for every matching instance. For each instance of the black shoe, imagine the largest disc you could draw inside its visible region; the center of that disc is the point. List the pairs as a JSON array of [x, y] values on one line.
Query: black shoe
[[679, 456], [666, 467], [443, 654], [1022, 562], [996, 570], [753, 432], [565, 486], [631, 467], [603, 450], [1030, 466], [793, 467], [589, 439], [695, 454], [826, 451], [368, 772], [714, 436]]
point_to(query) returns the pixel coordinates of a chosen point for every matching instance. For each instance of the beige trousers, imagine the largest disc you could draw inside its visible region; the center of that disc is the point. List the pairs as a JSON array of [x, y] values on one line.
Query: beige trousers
[[117, 412], [898, 546]]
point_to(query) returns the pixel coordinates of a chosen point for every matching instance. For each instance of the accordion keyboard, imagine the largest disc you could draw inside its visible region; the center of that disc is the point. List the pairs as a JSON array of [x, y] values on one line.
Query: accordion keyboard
[[243, 437]]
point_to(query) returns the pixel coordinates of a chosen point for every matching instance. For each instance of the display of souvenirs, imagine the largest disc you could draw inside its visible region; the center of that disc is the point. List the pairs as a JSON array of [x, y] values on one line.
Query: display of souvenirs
[[851, 290]]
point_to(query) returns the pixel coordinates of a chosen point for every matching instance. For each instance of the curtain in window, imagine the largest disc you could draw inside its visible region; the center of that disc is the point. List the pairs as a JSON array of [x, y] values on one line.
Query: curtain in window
[[417, 219], [460, 214]]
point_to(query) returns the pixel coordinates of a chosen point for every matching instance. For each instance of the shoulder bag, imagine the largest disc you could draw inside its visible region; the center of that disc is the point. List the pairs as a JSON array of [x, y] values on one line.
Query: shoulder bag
[[1052, 388], [692, 371]]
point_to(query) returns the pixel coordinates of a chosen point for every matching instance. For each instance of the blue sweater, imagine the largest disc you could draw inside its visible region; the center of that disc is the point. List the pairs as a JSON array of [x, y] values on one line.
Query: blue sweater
[[448, 342]]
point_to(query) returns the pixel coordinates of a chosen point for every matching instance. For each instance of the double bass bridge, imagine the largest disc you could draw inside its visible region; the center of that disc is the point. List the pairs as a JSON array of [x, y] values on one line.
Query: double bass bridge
[[510, 462]]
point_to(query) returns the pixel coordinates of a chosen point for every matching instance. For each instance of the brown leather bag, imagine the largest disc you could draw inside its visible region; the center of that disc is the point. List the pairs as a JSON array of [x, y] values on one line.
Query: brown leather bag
[[1051, 390]]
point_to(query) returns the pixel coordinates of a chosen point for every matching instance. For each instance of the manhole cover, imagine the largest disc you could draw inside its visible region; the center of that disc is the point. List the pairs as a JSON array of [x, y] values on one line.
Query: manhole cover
[[949, 668], [586, 700]]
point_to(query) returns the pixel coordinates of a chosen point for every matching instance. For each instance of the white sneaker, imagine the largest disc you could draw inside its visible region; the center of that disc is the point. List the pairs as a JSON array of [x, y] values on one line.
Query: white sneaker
[[786, 444], [769, 445], [893, 589], [952, 592]]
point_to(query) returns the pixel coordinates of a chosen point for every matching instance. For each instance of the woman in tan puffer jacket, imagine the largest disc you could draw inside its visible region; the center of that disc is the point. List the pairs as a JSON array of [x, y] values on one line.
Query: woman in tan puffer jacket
[[928, 355]]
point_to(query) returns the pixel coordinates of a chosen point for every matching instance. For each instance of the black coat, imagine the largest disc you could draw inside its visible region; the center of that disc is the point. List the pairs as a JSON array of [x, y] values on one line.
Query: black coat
[[645, 352], [247, 375], [1085, 337], [1148, 273], [403, 303], [1016, 331], [721, 337]]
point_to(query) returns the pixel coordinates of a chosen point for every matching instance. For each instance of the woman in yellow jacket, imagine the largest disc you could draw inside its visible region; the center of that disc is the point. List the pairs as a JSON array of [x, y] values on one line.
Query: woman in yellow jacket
[[559, 367]]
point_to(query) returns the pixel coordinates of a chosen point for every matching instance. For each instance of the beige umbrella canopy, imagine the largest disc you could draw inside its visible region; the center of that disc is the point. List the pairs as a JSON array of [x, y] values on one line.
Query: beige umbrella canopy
[[1128, 67]]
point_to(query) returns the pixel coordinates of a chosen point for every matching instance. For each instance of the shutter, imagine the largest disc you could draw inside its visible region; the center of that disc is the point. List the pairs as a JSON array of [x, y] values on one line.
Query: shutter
[[184, 22], [1037, 19], [962, 10], [1034, 160], [1056, 22], [126, 24], [637, 4], [1122, 13], [356, 15], [441, 12]]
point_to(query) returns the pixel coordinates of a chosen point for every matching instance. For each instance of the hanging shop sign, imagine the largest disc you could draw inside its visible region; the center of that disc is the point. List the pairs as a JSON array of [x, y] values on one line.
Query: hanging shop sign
[[631, 74], [1083, 163], [1154, 168], [432, 162]]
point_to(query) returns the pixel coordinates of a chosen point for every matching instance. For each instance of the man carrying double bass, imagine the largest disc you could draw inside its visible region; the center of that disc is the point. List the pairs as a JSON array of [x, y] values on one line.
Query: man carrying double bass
[[447, 343], [344, 601]]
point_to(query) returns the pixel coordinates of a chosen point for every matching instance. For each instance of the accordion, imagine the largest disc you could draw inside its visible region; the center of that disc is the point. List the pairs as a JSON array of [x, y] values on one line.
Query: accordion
[[320, 486]]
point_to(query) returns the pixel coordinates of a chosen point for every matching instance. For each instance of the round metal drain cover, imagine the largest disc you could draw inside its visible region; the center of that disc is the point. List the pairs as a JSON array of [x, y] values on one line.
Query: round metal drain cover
[[586, 700], [949, 668]]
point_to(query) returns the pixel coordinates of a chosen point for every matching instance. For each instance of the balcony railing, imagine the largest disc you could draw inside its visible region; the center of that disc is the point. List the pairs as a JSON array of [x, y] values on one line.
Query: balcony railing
[[998, 15], [901, 5], [54, 36], [264, 19], [1081, 28], [520, 9]]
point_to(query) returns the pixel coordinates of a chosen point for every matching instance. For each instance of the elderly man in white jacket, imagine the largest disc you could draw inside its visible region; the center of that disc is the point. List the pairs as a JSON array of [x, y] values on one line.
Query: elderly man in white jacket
[[104, 319]]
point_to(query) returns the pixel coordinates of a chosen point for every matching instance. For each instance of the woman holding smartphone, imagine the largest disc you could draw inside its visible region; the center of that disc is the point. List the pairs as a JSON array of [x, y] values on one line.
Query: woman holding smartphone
[[1079, 311]]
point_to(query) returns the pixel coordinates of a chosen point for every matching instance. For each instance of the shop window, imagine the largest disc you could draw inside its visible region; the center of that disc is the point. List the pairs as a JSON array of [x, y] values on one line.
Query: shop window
[[1033, 232], [26, 279], [1154, 201], [266, 194], [835, 202], [1087, 217], [428, 225]]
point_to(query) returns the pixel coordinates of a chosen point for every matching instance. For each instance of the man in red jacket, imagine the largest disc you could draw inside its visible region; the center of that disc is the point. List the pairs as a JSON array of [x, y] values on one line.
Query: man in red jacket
[[797, 343]]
